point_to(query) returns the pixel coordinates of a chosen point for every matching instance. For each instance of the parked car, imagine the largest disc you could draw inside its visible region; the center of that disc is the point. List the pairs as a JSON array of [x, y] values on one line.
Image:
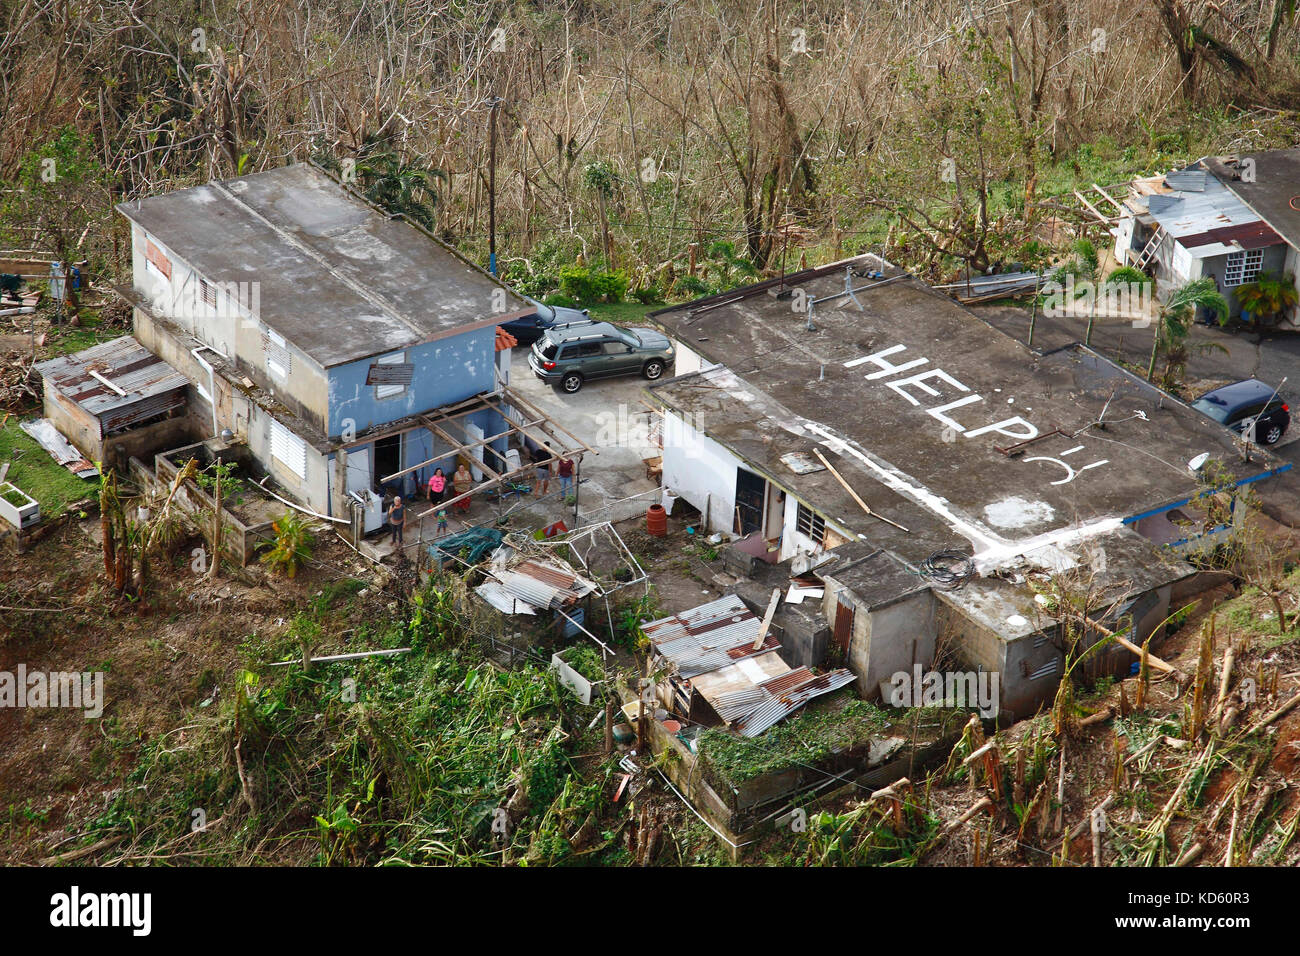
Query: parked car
[[1242, 403], [567, 355], [529, 328]]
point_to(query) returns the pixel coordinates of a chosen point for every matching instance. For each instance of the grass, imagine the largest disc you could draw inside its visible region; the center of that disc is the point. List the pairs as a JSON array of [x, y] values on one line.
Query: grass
[[622, 313], [36, 473]]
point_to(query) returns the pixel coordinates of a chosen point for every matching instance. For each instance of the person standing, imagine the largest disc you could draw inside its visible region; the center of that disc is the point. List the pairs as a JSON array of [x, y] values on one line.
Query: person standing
[[565, 472], [543, 462], [463, 483], [437, 487], [397, 519]]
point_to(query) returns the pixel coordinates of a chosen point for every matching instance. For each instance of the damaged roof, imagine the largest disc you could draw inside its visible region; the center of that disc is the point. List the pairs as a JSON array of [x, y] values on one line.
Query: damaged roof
[[523, 585], [337, 277], [922, 408], [119, 382], [750, 688], [1272, 188], [1200, 212]]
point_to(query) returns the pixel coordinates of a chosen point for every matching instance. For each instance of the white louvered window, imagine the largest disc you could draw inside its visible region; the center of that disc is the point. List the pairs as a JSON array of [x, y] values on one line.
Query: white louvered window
[[389, 391], [288, 449], [278, 361]]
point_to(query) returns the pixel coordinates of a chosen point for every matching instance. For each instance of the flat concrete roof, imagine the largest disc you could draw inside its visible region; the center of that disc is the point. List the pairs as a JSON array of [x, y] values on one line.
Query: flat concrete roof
[[338, 278], [910, 399], [1274, 190]]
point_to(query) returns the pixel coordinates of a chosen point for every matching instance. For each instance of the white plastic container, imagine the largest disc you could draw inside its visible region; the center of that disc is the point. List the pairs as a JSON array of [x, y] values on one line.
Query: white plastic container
[[669, 499]]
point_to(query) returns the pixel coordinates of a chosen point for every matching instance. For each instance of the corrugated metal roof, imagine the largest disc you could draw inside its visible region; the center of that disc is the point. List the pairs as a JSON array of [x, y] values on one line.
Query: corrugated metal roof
[[777, 708], [719, 635], [126, 364], [1198, 210], [539, 584], [708, 637]]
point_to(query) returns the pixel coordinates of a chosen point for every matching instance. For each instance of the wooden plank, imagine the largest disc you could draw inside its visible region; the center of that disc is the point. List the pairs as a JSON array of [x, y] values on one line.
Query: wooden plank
[[433, 426], [767, 618], [1092, 209], [1109, 198], [865, 507], [514, 398]]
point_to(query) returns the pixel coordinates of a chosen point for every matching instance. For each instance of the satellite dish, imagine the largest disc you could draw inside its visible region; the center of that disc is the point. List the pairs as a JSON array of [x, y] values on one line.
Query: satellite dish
[[1198, 462]]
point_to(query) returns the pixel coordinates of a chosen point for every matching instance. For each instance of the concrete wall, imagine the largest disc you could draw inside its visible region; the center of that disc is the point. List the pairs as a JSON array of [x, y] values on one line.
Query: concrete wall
[[976, 647], [794, 543], [446, 371], [115, 451], [313, 490], [73, 422], [886, 639], [688, 360], [232, 329], [697, 468], [146, 441], [1275, 259]]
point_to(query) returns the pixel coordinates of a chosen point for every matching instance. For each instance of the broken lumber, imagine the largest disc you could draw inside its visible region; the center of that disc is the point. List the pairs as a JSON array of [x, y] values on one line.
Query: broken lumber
[[1152, 660], [983, 803], [865, 507], [767, 619], [1087, 822], [1274, 715], [1192, 853]]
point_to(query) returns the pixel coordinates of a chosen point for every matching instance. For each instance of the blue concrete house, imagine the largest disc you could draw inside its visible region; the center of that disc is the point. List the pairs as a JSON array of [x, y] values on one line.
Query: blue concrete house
[[351, 350]]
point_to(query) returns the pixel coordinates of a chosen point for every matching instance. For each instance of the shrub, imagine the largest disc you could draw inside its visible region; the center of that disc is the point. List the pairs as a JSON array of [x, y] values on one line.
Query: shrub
[[292, 546], [560, 301], [609, 286], [575, 282], [580, 283], [649, 295]]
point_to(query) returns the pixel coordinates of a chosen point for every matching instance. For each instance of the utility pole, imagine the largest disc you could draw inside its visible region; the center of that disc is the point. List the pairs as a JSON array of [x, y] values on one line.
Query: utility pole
[[577, 484], [492, 184]]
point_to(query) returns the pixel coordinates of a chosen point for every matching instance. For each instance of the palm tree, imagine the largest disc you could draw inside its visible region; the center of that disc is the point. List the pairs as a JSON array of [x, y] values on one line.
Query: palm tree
[[398, 186], [1175, 320]]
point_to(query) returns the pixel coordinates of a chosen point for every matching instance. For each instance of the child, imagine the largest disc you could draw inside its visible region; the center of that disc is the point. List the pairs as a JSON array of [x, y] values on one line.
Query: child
[[442, 521]]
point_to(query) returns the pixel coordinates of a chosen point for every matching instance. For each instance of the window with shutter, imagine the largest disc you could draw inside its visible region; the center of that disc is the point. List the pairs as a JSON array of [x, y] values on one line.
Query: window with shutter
[[389, 391], [288, 449], [278, 361]]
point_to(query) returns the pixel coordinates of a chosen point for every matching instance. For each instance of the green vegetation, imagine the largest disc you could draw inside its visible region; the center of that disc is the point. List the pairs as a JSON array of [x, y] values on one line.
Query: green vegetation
[[587, 287], [831, 725], [292, 545], [434, 757], [586, 660], [32, 470]]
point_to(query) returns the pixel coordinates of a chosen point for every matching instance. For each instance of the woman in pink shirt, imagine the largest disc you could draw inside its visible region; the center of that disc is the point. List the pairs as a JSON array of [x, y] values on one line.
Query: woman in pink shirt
[[437, 485]]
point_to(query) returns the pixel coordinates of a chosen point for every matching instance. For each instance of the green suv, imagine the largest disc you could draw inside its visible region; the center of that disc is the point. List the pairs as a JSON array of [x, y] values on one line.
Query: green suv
[[568, 355]]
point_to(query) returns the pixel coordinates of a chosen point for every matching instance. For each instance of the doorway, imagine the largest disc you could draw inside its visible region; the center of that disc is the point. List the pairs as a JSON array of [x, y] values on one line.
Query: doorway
[[388, 459], [750, 492]]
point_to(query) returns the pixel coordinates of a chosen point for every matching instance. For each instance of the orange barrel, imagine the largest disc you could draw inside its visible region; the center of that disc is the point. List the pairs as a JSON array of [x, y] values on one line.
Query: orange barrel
[[656, 521]]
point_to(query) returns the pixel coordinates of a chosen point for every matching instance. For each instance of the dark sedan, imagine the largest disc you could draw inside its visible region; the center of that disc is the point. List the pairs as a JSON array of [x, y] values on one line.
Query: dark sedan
[[1250, 408], [529, 328]]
